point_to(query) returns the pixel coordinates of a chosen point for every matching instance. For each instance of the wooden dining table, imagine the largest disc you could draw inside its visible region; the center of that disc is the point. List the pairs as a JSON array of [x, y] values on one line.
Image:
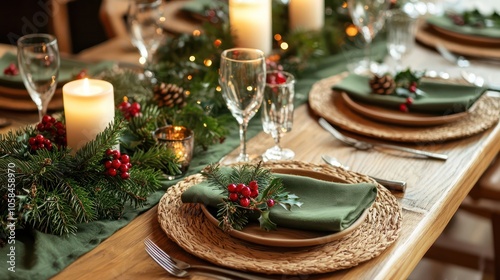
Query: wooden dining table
[[435, 189]]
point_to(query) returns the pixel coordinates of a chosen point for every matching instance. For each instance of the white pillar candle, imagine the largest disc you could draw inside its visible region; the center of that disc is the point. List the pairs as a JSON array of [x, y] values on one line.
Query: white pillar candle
[[306, 15], [89, 108], [251, 24]]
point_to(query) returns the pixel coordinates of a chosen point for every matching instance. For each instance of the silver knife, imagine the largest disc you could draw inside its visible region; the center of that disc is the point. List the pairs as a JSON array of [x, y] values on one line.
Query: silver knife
[[361, 145]]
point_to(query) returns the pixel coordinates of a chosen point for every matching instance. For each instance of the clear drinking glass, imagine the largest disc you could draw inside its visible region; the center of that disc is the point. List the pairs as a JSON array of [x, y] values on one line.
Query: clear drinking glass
[[400, 35], [145, 25], [242, 78], [369, 17], [277, 112], [38, 59]]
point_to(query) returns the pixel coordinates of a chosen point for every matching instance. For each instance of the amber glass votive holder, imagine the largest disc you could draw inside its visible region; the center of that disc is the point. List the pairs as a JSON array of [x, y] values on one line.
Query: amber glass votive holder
[[180, 140]]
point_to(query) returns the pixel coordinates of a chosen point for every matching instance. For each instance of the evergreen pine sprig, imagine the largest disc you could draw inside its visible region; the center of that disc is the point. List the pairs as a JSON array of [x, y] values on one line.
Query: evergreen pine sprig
[[248, 190], [56, 190]]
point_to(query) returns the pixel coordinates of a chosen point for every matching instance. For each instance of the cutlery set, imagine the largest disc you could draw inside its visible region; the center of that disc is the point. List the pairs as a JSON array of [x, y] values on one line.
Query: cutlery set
[[392, 185], [464, 63], [361, 145], [180, 268]]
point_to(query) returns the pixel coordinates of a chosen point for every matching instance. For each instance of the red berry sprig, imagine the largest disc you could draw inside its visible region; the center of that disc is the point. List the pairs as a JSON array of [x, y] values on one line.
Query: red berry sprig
[[53, 129], [117, 164], [403, 107], [130, 110], [275, 78], [39, 142], [11, 70], [243, 194], [82, 74]]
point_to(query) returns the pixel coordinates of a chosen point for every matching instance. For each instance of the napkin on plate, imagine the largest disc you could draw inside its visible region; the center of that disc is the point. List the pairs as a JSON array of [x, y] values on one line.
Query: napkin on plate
[[439, 98], [327, 206], [69, 68], [446, 23]]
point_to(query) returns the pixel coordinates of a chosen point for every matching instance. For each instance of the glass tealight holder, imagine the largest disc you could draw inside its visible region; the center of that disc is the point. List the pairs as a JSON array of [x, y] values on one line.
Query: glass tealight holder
[[180, 140]]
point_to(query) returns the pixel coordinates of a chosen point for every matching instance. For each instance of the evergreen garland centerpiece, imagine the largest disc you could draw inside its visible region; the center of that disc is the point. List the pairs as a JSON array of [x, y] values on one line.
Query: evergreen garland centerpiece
[[55, 190], [248, 189]]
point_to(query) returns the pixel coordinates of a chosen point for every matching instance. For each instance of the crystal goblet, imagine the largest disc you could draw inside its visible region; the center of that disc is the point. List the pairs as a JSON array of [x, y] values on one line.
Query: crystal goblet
[[369, 17], [243, 78], [145, 25], [277, 112], [39, 62]]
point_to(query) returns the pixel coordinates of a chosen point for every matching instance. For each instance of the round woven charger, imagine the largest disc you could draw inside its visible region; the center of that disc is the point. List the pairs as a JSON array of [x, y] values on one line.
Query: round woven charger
[[327, 103], [186, 225]]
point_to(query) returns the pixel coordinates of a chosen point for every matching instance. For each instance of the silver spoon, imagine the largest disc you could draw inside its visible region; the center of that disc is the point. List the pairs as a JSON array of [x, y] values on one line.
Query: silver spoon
[[392, 185]]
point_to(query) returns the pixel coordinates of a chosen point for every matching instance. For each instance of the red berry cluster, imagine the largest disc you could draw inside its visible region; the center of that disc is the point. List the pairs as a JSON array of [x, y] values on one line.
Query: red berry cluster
[[130, 110], [276, 78], [11, 70], [82, 74], [56, 130], [403, 107], [39, 142], [242, 193], [117, 163], [413, 87]]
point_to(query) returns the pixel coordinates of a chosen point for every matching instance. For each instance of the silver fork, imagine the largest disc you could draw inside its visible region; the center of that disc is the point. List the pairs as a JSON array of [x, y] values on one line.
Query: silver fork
[[177, 265], [361, 145], [179, 272]]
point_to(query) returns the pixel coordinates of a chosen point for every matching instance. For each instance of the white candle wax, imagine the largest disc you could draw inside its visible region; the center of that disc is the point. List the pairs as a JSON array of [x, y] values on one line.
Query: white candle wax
[[250, 23], [306, 14], [89, 108]]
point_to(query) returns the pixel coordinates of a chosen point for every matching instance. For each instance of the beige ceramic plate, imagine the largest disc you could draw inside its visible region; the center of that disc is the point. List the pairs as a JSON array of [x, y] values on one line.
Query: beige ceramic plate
[[286, 237], [470, 39], [397, 117]]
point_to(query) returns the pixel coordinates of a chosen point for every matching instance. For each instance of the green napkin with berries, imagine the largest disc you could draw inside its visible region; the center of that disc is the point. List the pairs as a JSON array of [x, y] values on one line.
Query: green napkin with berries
[[438, 98], [445, 22], [327, 206]]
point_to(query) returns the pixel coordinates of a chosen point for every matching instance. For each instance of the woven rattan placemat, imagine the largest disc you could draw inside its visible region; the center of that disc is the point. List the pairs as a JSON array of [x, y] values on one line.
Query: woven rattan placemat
[[186, 225], [328, 104]]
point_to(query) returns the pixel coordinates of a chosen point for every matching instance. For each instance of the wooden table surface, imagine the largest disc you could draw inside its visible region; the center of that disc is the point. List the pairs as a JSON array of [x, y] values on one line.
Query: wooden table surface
[[435, 191]]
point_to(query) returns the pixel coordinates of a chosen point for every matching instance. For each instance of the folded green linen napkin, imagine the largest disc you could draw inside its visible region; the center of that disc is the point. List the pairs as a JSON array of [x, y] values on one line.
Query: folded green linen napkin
[[439, 98], [69, 68], [327, 206], [446, 23]]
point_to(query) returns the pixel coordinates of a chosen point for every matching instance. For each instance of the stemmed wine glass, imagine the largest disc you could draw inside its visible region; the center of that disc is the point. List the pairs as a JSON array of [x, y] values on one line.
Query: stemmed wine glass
[[38, 59], [243, 78], [145, 24], [277, 112], [369, 18], [400, 35]]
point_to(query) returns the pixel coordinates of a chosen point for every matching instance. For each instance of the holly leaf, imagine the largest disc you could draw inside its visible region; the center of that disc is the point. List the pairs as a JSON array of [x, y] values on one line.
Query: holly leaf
[[287, 200], [265, 222]]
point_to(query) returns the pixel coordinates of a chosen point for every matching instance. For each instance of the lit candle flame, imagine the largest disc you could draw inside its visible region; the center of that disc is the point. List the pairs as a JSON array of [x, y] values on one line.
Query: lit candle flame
[[86, 86]]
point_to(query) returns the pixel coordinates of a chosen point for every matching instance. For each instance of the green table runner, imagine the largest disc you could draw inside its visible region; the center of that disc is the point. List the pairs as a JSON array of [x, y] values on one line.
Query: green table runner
[[40, 256]]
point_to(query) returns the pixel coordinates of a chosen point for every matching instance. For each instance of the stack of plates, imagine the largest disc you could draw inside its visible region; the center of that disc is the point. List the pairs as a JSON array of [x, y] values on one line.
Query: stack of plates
[[14, 96], [465, 40]]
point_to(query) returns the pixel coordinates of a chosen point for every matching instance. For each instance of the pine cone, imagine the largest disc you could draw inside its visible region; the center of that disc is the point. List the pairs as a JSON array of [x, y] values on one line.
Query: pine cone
[[169, 95], [382, 85]]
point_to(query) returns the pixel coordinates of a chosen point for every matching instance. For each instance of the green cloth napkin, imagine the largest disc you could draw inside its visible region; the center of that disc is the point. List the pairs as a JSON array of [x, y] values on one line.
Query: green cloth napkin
[[439, 98], [327, 206], [446, 23], [69, 68]]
